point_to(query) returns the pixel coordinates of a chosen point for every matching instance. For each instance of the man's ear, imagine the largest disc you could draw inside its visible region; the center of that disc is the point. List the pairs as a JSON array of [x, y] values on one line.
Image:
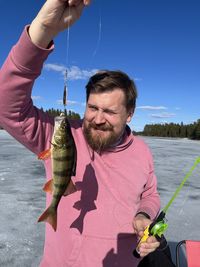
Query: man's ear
[[130, 115]]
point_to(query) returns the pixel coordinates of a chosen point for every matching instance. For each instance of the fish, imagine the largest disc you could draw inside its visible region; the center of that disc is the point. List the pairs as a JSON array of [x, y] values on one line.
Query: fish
[[63, 156]]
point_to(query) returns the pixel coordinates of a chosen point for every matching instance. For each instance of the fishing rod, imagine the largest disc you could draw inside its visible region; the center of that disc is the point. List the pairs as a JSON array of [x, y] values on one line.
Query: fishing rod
[[159, 226]]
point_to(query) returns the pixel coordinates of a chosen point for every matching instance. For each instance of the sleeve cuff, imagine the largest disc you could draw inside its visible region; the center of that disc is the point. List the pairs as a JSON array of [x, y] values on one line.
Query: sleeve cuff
[[29, 56], [143, 213]]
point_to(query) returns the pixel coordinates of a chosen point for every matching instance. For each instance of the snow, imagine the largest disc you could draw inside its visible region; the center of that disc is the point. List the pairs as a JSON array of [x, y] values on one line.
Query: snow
[[22, 200]]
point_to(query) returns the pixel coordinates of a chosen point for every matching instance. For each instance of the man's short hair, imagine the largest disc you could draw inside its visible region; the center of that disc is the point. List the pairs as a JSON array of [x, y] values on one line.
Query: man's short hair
[[106, 80]]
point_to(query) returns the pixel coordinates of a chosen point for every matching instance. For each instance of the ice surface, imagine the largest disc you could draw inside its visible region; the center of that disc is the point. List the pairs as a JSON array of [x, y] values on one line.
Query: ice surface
[[22, 200], [173, 158]]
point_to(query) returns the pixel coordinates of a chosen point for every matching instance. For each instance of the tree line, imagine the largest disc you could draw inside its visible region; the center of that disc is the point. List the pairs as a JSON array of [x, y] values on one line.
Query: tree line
[[191, 131], [56, 112]]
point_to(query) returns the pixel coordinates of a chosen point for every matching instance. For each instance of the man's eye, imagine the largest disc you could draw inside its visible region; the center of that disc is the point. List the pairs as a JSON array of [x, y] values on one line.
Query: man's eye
[[110, 112]]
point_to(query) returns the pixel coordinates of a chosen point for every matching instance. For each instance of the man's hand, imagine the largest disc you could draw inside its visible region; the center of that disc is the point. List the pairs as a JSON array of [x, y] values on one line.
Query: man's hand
[[54, 17], [140, 222]]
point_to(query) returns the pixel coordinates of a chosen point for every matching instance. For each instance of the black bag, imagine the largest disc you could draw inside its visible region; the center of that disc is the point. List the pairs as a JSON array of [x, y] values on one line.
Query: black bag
[[159, 258]]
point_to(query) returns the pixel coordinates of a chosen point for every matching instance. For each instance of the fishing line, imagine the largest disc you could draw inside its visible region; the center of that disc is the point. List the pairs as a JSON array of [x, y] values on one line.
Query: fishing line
[[99, 35], [68, 33], [65, 91], [185, 198], [67, 69], [197, 161], [187, 193], [158, 226]]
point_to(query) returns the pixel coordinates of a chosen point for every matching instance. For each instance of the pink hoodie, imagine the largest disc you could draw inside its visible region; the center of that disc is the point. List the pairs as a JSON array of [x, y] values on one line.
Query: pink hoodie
[[95, 223]]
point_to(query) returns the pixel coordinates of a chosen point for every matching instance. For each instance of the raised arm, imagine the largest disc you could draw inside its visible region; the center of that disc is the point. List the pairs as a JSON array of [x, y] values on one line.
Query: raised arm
[[18, 116]]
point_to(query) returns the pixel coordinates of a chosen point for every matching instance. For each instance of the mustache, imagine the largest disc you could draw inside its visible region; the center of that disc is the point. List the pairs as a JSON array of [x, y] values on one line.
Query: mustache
[[102, 127]]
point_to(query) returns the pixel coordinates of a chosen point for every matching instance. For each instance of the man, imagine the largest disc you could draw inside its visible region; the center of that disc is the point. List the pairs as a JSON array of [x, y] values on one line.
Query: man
[[116, 197]]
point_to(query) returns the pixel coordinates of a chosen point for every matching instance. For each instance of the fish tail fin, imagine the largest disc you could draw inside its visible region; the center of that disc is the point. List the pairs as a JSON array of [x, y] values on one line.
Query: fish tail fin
[[48, 187], [44, 154], [50, 216]]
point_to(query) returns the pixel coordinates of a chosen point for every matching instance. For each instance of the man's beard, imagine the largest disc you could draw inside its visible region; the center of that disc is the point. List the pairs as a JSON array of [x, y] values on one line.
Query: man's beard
[[96, 141]]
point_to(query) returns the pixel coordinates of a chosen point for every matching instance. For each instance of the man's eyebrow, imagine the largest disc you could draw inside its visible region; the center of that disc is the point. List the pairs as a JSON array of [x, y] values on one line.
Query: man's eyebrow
[[109, 110], [114, 110], [92, 105]]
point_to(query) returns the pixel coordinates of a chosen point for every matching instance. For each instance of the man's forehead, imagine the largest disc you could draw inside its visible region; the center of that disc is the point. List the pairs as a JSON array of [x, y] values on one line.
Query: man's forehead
[[114, 96]]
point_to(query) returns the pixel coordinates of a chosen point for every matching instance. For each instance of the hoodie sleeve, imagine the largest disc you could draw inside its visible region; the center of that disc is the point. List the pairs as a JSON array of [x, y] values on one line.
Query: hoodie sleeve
[[150, 199], [18, 116]]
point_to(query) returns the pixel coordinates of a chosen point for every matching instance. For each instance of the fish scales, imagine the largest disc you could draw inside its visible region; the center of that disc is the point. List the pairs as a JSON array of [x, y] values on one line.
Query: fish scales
[[63, 155]]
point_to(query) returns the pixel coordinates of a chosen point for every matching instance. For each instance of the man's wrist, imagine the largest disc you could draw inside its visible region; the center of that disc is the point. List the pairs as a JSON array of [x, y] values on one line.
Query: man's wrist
[[39, 35]]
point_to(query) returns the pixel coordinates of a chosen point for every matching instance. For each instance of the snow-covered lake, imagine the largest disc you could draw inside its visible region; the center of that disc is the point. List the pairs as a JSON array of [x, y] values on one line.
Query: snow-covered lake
[[22, 200]]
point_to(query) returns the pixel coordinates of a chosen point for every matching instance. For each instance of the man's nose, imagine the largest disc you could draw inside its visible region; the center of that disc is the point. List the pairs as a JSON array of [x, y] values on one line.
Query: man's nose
[[99, 117]]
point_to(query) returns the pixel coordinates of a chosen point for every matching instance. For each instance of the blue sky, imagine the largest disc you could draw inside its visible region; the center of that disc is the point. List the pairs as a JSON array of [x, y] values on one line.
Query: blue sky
[[156, 42]]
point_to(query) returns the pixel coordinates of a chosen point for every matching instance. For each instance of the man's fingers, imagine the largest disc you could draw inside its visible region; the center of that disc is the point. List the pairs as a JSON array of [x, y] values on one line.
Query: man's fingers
[[149, 246], [74, 2], [140, 233], [77, 2], [152, 239], [87, 2], [140, 223]]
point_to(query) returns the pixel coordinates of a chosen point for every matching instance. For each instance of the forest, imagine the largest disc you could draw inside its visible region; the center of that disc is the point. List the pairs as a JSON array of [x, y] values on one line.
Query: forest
[[191, 131], [56, 112]]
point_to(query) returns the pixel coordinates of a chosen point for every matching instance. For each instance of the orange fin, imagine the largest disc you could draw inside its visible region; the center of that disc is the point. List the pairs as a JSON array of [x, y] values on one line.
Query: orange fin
[[45, 154], [50, 216], [48, 187]]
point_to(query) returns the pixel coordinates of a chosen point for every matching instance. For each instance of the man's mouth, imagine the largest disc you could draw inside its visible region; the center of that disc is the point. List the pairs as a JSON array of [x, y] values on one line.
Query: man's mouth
[[102, 128]]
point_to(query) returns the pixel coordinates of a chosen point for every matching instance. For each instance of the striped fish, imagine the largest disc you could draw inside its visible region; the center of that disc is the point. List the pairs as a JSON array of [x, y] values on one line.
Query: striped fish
[[63, 155]]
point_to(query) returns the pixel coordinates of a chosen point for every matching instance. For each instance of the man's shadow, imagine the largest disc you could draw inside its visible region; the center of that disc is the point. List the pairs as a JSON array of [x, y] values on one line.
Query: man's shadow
[[89, 192], [123, 256]]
